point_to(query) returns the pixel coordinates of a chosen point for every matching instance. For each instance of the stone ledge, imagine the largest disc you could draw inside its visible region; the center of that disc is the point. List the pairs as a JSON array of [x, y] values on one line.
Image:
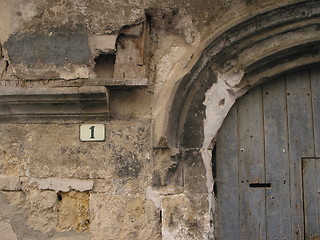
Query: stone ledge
[[64, 184], [107, 82], [23, 104]]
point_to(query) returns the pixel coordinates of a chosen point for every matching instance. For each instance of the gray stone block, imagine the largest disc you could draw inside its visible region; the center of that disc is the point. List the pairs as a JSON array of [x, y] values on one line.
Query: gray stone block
[[32, 50], [10, 183]]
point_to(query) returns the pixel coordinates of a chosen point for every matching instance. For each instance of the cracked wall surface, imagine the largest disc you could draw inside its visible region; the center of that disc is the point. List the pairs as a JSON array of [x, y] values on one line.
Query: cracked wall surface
[[152, 176]]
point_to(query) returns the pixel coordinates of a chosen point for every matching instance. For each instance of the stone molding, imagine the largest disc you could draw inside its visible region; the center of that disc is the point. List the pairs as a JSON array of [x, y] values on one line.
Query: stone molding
[[57, 100], [80, 82], [47, 104]]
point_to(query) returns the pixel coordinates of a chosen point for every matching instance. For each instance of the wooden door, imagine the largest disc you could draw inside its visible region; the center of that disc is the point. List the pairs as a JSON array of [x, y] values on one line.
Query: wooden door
[[267, 167]]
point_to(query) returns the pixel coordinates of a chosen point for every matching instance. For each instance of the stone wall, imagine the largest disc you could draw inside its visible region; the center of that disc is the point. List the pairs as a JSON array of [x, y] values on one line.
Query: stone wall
[[56, 185], [155, 79]]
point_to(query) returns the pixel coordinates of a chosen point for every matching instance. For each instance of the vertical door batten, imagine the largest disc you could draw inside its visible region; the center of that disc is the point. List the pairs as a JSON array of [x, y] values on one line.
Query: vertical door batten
[[251, 166], [315, 93], [314, 188], [310, 197], [300, 125], [227, 179], [276, 159]]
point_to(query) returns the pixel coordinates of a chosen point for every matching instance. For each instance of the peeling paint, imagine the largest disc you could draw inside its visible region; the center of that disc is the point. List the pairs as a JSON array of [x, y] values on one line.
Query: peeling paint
[[224, 88]]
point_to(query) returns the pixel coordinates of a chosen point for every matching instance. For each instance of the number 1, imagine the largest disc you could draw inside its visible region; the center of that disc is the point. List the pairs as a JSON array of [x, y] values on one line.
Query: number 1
[[92, 131]]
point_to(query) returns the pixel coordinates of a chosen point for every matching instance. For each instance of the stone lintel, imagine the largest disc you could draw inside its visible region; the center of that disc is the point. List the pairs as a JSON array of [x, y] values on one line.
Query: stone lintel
[[107, 82], [64, 184], [25, 104], [103, 43]]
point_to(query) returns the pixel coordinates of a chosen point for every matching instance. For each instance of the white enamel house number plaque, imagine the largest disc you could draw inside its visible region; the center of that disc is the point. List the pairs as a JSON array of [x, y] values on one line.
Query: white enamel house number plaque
[[92, 132]]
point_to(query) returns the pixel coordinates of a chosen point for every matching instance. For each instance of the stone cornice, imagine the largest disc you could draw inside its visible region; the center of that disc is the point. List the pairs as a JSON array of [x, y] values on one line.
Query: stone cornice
[[107, 82], [50, 104], [59, 100]]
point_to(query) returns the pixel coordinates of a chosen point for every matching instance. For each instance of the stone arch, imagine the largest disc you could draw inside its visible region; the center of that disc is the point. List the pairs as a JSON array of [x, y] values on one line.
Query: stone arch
[[243, 56], [249, 53]]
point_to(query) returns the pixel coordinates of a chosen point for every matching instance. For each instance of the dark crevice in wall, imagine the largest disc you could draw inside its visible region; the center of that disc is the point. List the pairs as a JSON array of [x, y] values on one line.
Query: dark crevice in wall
[[104, 65], [59, 196], [214, 169]]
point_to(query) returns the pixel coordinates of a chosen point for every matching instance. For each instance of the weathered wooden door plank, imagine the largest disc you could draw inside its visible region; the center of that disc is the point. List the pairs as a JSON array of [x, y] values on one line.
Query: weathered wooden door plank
[[315, 93], [310, 197], [317, 193], [276, 159], [251, 166], [301, 142], [311, 172], [227, 179]]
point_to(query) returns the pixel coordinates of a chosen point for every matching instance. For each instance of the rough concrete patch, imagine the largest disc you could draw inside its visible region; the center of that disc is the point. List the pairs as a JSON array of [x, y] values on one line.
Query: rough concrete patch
[[128, 165], [185, 217], [64, 184], [7, 231], [185, 24], [103, 43], [154, 196], [10, 183], [126, 216], [168, 171]]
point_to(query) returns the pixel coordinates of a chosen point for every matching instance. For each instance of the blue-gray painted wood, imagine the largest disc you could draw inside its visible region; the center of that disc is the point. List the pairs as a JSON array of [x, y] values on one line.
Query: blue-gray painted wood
[[276, 160], [311, 167], [251, 166], [227, 179], [278, 125], [301, 142], [310, 197], [317, 193], [315, 93]]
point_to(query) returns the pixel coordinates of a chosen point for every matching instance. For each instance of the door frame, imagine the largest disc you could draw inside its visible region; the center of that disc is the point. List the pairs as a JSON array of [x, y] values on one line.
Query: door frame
[[231, 63]]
